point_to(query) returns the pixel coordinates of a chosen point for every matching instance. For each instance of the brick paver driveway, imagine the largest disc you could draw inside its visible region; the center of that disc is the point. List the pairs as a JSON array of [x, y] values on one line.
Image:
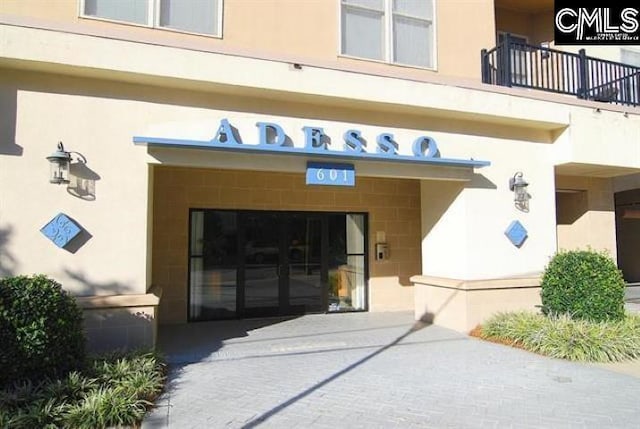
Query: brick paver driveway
[[372, 370]]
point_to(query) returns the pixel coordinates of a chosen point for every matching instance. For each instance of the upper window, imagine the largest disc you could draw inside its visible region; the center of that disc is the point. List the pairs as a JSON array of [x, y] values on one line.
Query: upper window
[[519, 56], [193, 16], [394, 31]]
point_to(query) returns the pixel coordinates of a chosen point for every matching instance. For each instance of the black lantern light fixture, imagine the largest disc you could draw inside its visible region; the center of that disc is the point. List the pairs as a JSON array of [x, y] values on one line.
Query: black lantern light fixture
[[59, 162], [518, 185]]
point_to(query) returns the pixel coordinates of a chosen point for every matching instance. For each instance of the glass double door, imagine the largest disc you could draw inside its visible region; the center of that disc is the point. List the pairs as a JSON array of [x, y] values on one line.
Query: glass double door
[[265, 263], [281, 263]]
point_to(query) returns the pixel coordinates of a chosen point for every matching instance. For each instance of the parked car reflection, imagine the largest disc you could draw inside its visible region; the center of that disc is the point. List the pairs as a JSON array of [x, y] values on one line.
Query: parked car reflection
[[267, 253]]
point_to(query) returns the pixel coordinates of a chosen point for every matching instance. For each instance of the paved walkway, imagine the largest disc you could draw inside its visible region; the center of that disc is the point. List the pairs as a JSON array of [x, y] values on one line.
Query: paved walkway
[[376, 370]]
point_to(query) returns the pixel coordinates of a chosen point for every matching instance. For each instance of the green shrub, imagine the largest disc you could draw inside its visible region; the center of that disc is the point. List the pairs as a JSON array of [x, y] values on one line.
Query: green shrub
[[140, 373], [583, 284], [520, 327], [566, 338], [112, 391], [40, 330], [106, 407]]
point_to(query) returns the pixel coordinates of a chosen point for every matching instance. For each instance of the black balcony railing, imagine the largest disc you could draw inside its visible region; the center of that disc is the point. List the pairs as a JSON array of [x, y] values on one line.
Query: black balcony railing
[[517, 64]]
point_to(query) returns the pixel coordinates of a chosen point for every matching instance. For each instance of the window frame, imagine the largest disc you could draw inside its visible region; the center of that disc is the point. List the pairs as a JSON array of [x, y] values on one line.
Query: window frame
[[153, 19], [523, 78], [388, 39]]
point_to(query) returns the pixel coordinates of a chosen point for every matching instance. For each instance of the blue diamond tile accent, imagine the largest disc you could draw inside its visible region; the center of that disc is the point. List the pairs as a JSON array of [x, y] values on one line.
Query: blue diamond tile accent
[[516, 233], [61, 230]]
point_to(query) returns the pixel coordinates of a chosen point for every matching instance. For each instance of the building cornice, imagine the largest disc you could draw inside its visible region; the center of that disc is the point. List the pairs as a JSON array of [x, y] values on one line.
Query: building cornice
[[65, 49]]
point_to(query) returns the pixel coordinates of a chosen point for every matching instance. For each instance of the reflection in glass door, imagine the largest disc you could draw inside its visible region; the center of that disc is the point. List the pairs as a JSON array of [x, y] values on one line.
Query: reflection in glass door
[[213, 263], [347, 283], [304, 248], [266, 263], [264, 269]]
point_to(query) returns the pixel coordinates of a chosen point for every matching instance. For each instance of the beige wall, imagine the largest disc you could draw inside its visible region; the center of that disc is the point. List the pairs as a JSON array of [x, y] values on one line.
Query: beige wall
[[626, 183], [393, 206], [463, 305], [537, 27], [602, 138], [37, 111], [303, 31], [463, 225], [543, 27], [120, 328], [120, 321], [585, 214], [514, 22], [606, 52], [59, 10], [280, 27], [464, 29]]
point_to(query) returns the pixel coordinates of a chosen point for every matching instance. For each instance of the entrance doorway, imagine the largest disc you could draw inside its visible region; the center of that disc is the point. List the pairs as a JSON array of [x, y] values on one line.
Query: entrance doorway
[[246, 263]]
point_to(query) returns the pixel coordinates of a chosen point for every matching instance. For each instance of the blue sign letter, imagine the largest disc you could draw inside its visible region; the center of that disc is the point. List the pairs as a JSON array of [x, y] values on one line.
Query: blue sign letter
[[353, 141], [270, 133], [386, 145], [425, 147], [314, 138], [225, 133]]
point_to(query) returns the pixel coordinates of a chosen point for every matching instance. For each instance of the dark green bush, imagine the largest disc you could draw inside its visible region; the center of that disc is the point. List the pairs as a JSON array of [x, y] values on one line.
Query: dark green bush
[[41, 330], [585, 285]]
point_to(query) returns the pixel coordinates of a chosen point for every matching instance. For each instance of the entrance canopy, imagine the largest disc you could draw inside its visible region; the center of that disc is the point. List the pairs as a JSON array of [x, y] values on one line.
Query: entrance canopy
[[326, 140]]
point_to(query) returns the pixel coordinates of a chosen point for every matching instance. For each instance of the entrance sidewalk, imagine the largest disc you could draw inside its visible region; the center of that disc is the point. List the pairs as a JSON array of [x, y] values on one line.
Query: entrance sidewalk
[[376, 370]]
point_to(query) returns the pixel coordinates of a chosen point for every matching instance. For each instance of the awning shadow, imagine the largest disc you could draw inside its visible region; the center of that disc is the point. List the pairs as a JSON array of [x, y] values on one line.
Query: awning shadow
[[8, 107], [190, 343]]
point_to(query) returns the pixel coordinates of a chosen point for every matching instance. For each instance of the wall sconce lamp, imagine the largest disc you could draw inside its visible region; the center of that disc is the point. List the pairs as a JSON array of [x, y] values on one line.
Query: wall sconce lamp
[[518, 186], [59, 162]]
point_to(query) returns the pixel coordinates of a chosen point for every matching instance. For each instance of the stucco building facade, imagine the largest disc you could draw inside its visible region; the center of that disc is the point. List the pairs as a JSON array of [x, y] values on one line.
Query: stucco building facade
[[259, 159]]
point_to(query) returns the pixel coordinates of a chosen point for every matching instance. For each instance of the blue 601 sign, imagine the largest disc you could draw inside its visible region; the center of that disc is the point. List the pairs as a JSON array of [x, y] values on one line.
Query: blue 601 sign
[[330, 174]]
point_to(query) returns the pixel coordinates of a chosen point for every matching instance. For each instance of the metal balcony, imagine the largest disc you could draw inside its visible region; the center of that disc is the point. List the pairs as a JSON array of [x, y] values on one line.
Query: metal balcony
[[516, 64]]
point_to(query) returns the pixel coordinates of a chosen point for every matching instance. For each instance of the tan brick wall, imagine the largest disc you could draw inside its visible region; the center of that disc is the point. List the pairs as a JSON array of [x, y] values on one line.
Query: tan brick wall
[[393, 206]]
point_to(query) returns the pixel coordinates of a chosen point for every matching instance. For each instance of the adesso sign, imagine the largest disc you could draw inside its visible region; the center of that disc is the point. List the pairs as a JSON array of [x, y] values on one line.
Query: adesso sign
[[271, 139]]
